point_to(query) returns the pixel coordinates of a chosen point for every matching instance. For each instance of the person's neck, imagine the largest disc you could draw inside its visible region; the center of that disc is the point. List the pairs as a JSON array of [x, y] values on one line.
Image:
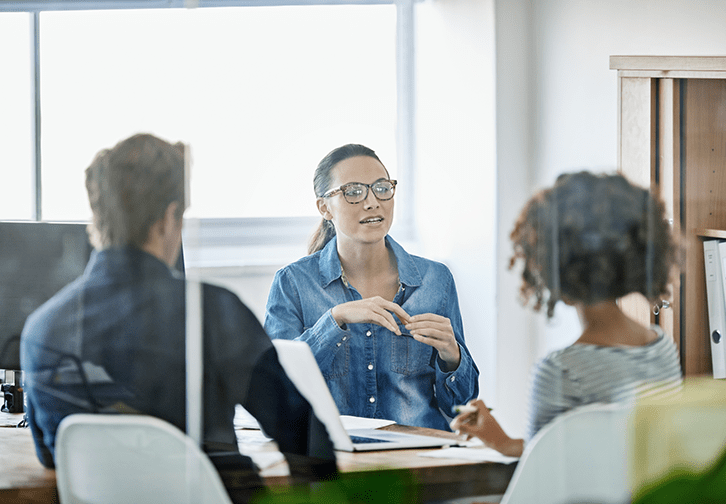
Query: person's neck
[[371, 269], [363, 259], [605, 324]]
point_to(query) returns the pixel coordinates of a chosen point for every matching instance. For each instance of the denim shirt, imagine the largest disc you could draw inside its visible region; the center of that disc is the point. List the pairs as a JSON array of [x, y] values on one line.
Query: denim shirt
[[372, 372]]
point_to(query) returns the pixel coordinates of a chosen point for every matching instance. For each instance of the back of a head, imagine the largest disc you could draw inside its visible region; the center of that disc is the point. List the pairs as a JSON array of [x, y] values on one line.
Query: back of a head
[[592, 238], [130, 186]]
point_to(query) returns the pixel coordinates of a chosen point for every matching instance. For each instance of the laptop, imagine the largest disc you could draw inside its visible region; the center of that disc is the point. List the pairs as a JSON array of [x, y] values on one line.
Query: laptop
[[299, 363]]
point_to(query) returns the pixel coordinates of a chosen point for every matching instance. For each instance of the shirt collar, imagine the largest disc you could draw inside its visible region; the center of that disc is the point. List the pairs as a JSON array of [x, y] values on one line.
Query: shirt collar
[[331, 270], [119, 261]]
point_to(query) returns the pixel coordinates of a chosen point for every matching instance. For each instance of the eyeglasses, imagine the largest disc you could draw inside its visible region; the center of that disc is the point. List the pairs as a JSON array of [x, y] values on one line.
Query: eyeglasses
[[355, 192]]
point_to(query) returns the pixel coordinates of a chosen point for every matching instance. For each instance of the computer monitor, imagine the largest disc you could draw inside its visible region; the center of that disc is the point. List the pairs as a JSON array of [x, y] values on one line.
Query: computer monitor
[[37, 259]]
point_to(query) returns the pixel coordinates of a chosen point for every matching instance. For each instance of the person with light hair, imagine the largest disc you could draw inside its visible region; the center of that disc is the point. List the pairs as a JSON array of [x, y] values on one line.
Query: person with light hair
[[113, 341]]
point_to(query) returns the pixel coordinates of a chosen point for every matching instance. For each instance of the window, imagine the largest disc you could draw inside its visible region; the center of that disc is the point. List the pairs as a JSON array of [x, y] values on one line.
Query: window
[[261, 92], [16, 146]]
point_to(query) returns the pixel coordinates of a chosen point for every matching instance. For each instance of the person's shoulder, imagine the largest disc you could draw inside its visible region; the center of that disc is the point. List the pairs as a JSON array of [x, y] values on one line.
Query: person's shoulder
[[226, 308], [58, 306], [307, 267], [219, 294], [305, 263], [556, 359], [423, 264]]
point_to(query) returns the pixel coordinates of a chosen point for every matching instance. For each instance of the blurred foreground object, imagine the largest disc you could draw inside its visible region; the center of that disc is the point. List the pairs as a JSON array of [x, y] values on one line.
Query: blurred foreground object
[[679, 443]]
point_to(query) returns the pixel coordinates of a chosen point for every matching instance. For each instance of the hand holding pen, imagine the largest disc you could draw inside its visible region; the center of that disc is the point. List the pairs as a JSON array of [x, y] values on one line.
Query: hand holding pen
[[475, 419], [471, 418]]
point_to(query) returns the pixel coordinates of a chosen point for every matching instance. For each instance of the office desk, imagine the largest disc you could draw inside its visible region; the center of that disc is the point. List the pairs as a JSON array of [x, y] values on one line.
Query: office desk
[[24, 480]]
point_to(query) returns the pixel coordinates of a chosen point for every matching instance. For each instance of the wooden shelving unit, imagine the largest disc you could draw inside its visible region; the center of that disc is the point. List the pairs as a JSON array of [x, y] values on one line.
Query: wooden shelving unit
[[672, 137]]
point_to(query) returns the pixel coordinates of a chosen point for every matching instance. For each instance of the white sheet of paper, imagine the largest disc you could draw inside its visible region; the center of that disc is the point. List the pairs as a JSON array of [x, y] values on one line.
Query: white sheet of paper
[[263, 460], [354, 422], [244, 420], [477, 454]]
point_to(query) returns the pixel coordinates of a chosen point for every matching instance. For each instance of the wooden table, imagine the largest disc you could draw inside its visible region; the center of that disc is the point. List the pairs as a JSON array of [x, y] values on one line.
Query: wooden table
[[23, 480]]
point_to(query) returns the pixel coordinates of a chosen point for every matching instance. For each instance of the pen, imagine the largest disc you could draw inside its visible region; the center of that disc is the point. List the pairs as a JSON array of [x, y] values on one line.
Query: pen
[[465, 408]]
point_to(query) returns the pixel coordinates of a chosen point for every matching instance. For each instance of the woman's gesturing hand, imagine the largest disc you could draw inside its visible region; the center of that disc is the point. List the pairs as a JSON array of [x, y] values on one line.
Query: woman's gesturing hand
[[374, 310], [436, 331]]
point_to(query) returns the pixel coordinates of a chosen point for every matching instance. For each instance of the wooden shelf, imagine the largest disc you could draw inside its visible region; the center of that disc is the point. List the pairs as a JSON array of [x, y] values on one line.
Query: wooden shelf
[[669, 63], [711, 233], [672, 137]]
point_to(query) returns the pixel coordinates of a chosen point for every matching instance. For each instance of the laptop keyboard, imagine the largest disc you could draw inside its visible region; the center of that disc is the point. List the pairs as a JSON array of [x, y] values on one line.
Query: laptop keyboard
[[360, 440]]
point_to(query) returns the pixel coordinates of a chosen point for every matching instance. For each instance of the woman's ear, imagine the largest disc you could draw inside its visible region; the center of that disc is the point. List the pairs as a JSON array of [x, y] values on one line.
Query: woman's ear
[[323, 209]]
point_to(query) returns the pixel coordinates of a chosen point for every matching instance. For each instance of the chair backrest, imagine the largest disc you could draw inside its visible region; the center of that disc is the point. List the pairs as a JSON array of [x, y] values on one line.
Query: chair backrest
[[132, 459], [580, 456]]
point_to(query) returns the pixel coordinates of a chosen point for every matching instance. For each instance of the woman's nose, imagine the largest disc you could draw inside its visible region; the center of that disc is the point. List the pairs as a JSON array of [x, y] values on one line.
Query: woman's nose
[[371, 201]]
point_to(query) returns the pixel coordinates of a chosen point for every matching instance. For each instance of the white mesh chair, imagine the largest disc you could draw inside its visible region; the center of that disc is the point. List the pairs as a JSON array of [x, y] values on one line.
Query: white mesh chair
[[133, 459], [580, 456]]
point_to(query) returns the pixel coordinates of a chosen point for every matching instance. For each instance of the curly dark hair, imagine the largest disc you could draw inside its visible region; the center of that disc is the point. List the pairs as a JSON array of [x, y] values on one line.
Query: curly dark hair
[[592, 238]]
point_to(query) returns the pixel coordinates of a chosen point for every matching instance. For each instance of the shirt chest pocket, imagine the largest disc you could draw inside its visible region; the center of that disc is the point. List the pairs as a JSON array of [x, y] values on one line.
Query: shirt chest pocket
[[410, 357], [340, 363]]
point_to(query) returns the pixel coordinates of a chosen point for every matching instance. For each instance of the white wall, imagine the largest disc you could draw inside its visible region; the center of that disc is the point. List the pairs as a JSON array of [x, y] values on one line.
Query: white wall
[[567, 113], [455, 161]]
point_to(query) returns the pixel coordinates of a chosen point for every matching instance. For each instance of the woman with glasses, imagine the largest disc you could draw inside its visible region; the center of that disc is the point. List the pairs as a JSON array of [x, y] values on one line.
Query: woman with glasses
[[384, 325]]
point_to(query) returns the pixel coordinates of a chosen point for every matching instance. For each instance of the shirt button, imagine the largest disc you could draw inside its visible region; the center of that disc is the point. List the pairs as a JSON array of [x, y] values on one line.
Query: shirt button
[[370, 366], [345, 338], [337, 344], [368, 333], [453, 378], [372, 400]]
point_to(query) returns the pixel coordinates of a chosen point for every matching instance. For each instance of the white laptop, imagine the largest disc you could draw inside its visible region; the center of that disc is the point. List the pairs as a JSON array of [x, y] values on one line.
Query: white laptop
[[300, 365]]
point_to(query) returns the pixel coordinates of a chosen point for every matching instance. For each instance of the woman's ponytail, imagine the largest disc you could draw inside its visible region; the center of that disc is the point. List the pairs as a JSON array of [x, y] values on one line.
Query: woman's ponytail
[[322, 235]]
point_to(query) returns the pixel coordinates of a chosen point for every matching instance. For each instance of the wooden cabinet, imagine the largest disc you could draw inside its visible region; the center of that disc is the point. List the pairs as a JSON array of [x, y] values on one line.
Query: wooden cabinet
[[672, 136]]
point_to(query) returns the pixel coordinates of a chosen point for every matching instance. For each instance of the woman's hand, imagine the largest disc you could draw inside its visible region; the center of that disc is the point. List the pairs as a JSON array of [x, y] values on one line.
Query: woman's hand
[[480, 423], [374, 310], [436, 331]]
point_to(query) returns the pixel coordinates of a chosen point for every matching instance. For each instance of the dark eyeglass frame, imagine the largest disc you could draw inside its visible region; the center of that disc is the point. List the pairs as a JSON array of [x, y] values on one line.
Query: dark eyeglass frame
[[345, 187]]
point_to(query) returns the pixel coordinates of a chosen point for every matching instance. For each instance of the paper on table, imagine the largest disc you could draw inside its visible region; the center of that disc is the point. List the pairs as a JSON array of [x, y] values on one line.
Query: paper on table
[[263, 460], [478, 454], [254, 444], [354, 422], [244, 420]]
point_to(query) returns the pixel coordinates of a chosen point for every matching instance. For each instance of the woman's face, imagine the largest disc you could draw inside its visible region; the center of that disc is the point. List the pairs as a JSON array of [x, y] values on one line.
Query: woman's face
[[364, 222]]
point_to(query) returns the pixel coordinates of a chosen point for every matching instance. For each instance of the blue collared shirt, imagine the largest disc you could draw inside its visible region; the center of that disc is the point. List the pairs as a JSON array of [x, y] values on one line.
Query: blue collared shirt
[[372, 372], [114, 340]]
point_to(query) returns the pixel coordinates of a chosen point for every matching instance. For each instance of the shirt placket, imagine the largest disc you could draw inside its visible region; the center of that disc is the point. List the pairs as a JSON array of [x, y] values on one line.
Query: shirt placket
[[369, 368]]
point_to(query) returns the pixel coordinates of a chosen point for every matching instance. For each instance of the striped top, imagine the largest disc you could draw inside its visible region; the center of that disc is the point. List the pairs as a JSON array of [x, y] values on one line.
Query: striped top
[[583, 374]]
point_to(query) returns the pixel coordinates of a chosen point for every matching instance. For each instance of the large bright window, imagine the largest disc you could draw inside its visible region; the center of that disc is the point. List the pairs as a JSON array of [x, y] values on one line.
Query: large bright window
[[16, 113], [260, 93]]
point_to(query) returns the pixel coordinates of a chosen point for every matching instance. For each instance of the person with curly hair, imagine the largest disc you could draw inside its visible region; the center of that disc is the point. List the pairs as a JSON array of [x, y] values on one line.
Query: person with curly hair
[[588, 241]]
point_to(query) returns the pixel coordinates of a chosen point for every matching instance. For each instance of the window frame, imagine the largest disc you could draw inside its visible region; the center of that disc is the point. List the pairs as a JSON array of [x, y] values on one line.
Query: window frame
[[247, 241]]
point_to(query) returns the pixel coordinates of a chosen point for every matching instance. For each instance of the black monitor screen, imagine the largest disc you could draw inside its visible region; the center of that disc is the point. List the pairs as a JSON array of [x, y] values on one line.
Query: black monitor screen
[[37, 259]]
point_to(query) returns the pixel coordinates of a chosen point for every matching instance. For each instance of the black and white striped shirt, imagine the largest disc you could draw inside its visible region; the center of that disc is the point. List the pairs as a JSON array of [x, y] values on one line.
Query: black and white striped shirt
[[583, 374]]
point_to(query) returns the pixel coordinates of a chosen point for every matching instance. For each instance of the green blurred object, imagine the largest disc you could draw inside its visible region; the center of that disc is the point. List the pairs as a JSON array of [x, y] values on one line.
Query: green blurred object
[[399, 487], [682, 487]]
